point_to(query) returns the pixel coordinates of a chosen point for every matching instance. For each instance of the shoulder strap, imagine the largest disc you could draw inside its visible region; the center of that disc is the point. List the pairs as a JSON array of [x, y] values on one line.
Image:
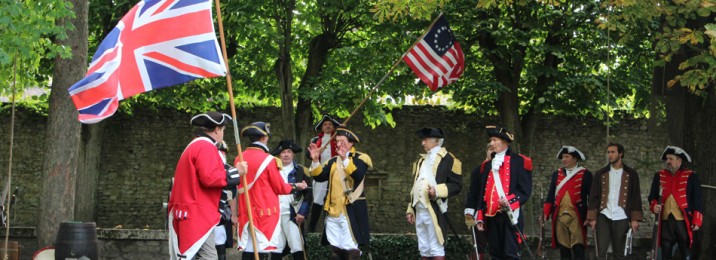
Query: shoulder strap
[[263, 166]]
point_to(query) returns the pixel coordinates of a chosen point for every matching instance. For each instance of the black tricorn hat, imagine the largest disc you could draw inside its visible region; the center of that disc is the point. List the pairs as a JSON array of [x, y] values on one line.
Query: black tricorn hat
[[501, 132], [210, 119], [572, 151], [257, 129], [430, 132], [348, 134], [675, 151], [286, 144], [325, 118]]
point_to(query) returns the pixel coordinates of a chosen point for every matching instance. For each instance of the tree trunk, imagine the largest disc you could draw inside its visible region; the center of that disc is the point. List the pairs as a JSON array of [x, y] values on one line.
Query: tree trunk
[[317, 57], [59, 169], [88, 172], [690, 121], [284, 21]]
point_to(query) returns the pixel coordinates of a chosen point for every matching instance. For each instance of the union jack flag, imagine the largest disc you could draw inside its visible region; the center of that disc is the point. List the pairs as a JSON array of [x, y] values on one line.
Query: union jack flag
[[437, 58], [159, 43]]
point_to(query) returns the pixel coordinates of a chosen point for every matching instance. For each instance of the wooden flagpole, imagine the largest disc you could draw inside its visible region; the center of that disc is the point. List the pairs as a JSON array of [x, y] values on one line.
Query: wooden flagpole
[[377, 85], [240, 157]]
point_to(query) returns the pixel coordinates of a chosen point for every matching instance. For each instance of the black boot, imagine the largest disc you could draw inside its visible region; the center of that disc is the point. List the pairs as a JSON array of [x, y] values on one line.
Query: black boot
[[578, 252], [298, 255], [353, 254], [221, 251], [336, 253]]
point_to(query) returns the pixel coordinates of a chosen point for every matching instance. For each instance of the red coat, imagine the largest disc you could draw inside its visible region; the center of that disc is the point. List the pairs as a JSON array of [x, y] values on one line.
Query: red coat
[[264, 200], [578, 188], [685, 186], [194, 200]]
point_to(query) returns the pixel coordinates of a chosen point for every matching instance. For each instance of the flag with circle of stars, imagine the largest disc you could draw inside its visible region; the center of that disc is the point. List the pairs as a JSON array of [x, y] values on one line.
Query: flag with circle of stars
[[437, 58]]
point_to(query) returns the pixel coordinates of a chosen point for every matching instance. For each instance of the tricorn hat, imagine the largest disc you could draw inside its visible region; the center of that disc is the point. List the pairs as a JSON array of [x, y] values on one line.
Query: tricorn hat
[[286, 144], [257, 129], [501, 132], [210, 119], [572, 151], [426, 132], [348, 134], [675, 151], [325, 118]]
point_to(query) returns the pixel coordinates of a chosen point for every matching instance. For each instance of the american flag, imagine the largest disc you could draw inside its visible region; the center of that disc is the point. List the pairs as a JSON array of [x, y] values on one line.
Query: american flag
[[437, 58], [159, 43]]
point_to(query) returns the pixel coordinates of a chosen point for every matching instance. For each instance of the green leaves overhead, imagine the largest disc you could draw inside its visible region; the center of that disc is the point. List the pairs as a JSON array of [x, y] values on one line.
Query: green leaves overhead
[[26, 47]]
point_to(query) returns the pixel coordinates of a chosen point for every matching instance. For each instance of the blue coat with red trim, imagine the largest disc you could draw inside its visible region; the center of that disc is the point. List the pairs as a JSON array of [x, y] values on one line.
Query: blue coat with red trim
[[516, 179]]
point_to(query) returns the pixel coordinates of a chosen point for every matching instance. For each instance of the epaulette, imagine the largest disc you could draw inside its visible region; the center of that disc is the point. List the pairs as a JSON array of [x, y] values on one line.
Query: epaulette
[[456, 164], [528, 162], [279, 164], [366, 159]]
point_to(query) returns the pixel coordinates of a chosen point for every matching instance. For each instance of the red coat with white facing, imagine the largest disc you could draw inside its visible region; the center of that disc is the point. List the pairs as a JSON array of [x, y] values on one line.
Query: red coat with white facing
[[578, 188], [263, 193], [194, 201]]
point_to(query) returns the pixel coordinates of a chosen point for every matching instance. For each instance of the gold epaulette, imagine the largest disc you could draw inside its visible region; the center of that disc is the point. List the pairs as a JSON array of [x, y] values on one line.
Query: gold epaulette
[[366, 159], [279, 164], [456, 165]]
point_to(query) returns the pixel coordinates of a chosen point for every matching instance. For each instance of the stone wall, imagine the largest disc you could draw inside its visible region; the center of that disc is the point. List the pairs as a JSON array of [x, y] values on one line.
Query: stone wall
[[139, 153]]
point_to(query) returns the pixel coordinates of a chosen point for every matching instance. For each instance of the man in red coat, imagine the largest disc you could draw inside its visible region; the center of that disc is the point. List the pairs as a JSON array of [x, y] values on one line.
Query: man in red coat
[[199, 179], [264, 185], [677, 199], [566, 203]]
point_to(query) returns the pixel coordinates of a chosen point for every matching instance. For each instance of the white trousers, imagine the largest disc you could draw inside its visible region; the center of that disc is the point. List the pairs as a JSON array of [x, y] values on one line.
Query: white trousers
[[428, 243], [338, 232], [220, 235], [290, 235]]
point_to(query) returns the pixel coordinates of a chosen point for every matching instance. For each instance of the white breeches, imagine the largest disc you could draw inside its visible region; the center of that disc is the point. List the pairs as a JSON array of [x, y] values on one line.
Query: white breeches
[[338, 232], [290, 235], [428, 242]]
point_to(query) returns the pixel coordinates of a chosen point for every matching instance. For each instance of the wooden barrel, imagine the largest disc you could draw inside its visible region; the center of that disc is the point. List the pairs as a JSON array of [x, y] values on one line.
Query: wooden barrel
[[12, 250], [76, 240]]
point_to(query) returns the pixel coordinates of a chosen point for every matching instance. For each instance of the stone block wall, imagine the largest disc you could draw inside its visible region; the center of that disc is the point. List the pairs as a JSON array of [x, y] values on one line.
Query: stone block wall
[[140, 151]]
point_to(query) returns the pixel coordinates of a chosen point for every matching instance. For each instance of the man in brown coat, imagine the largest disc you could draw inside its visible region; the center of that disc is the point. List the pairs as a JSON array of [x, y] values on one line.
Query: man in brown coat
[[614, 203]]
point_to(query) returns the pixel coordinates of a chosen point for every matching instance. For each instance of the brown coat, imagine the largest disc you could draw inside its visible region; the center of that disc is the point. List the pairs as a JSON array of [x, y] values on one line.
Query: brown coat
[[629, 195]]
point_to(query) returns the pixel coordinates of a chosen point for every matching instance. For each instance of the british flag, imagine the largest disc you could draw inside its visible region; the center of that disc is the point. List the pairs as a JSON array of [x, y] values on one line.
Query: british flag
[[437, 58], [159, 43]]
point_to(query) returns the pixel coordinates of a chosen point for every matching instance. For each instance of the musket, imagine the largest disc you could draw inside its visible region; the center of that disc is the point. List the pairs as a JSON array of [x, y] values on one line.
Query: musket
[[5, 193], [655, 243], [540, 245]]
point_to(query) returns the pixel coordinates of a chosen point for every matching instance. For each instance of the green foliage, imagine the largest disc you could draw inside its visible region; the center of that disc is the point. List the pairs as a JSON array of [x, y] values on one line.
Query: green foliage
[[27, 30], [678, 28]]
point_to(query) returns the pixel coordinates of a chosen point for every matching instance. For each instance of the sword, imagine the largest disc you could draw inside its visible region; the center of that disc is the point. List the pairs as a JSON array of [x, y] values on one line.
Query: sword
[[628, 244], [596, 244], [474, 243], [511, 216]]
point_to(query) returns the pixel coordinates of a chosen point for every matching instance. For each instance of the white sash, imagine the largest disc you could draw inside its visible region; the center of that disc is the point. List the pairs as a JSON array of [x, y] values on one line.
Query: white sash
[[513, 214], [263, 166], [564, 181]]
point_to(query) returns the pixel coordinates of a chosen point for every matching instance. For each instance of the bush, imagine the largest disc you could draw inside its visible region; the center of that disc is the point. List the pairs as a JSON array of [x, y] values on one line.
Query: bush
[[389, 247]]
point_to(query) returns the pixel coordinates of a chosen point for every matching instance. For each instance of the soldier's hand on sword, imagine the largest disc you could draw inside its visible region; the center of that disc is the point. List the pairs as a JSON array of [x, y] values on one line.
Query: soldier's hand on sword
[[657, 209], [431, 192], [301, 185], [591, 223]]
